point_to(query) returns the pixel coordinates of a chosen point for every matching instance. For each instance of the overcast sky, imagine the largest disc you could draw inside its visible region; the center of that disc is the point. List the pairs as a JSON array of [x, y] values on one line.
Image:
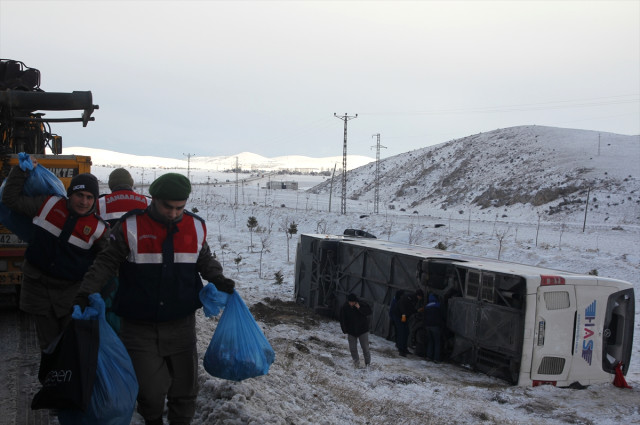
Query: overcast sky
[[215, 78]]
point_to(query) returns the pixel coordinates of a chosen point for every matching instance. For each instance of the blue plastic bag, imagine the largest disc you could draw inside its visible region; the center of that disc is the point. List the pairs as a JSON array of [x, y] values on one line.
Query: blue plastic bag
[[238, 349], [116, 387], [40, 181]]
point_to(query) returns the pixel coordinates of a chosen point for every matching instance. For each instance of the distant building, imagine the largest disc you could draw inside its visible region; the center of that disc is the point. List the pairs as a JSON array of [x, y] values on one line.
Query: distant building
[[291, 185]]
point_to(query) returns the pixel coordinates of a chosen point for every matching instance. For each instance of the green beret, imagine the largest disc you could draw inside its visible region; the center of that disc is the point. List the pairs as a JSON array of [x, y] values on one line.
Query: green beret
[[171, 187]]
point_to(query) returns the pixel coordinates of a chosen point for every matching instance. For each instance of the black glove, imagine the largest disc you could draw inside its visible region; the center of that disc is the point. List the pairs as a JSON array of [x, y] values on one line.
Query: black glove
[[224, 284]]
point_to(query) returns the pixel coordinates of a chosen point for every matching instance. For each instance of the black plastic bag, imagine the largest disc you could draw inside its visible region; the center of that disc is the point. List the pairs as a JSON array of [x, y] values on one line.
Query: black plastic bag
[[68, 368]]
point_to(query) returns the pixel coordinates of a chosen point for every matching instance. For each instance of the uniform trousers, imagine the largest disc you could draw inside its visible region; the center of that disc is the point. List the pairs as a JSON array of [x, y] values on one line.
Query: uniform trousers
[[165, 358]]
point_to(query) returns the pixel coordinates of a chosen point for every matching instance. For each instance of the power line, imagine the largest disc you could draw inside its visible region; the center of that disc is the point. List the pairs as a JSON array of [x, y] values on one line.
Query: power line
[[557, 104]]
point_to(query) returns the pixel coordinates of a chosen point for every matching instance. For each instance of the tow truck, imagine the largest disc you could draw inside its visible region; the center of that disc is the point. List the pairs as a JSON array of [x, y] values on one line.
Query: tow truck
[[25, 128]]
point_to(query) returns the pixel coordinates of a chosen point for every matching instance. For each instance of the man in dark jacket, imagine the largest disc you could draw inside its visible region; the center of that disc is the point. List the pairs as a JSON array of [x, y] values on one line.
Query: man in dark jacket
[[354, 321], [401, 311], [67, 235], [433, 322], [160, 252], [111, 207]]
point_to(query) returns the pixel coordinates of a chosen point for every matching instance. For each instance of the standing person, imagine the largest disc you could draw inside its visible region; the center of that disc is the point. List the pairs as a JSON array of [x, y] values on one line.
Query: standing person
[[111, 207], [433, 322], [416, 320], [160, 253], [395, 316], [67, 235], [122, 198], [354, 321], [402, 310]]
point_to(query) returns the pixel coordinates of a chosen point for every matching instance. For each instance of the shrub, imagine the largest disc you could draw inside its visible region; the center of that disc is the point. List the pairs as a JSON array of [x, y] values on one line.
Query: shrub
[[441, 245], [279, 277]]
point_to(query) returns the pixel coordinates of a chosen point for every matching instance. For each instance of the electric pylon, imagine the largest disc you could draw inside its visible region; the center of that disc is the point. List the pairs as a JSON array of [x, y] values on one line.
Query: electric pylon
[[343, 203], [376, 192]]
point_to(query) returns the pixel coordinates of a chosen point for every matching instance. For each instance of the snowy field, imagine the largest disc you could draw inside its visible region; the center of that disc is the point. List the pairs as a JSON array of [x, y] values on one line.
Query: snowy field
[[312, 380]]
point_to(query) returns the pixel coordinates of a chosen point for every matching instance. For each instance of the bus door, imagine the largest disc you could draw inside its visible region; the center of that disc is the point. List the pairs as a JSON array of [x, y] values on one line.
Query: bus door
[[554, 333]]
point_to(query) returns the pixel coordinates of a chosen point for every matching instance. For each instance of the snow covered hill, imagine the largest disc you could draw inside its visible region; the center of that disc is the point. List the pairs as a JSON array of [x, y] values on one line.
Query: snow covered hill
[[245, 161], [523, 171]]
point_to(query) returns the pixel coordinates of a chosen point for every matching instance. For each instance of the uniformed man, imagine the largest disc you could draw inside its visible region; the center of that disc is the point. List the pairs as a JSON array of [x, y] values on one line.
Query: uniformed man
[[160, 252]]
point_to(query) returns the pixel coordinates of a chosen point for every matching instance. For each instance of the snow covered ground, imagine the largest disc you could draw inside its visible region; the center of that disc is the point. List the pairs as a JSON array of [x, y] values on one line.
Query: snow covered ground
[[312, 380]]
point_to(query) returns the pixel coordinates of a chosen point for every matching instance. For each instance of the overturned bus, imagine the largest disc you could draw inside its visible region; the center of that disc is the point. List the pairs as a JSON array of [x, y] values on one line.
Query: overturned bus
[[524, 324]]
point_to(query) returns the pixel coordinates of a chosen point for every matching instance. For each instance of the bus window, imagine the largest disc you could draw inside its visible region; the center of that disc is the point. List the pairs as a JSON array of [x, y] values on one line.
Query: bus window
[[473, 285], [488, 287], [618, 330]]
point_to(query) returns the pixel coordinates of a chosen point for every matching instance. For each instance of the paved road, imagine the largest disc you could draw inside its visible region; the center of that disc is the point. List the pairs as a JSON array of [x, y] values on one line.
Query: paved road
[[20, 359]]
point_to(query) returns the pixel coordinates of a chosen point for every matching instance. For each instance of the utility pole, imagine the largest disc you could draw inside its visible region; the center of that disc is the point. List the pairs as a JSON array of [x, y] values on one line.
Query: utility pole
[[343, 204], [331, 185], [376, 196], [189, 155], [586, 207], [236, 181]]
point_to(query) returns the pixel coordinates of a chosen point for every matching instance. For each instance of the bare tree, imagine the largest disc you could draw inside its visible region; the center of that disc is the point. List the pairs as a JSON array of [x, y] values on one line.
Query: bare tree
[[562, 228], [387, 228], [416, 234], [500, 235], [269, 220], [223, 245]]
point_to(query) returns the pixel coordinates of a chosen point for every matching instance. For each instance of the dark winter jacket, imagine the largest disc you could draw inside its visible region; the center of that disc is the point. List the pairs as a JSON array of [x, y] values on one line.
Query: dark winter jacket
[[355, 321], [394, 313], [43, 288], [407, 305], [433, 312]]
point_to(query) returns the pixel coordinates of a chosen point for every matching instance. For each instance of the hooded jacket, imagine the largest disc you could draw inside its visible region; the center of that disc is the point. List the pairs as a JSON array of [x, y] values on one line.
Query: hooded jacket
[[355, 321]]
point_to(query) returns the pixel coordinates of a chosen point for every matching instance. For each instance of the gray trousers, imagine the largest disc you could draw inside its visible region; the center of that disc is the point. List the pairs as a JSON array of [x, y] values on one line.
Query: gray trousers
[[364, 343], [165, 359]]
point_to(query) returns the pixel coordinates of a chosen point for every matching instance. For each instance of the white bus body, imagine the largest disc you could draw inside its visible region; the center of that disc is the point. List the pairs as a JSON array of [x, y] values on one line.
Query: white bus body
[[525, 324]]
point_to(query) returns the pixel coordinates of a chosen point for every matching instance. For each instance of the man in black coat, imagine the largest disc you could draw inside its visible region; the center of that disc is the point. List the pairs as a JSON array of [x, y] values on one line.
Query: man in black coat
[[401, 312], [354, 321], [434, 322]]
